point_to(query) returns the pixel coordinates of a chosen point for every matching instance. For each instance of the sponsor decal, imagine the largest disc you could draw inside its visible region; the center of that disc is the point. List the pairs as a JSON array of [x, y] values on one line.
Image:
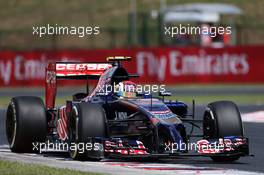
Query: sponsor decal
[[81, 69], [238, 64], [62, 124], [182, 64], [116, 146]]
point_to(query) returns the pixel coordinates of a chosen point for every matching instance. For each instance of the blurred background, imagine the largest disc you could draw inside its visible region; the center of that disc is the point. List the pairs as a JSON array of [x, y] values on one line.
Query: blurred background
[[193, 66], [123, 24]]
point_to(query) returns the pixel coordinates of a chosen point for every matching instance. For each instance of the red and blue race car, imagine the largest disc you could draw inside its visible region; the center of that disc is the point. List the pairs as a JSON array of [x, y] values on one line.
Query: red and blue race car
[[117, 121]]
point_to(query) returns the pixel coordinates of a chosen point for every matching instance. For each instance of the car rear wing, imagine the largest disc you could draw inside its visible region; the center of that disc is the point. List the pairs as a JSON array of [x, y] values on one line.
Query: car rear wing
[[75, 70], [69, 70]]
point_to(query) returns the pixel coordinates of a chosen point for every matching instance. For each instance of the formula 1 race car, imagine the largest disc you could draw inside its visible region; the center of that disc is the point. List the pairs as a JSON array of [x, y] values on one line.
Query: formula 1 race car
[[116, 120]]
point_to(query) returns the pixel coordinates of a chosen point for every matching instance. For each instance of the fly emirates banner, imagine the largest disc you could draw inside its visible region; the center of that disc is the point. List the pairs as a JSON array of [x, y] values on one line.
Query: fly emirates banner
[[167, 65]]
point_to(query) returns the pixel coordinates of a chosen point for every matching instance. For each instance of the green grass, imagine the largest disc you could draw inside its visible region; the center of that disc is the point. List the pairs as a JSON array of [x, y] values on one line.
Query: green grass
[[251, 98], [102, 12], [215, 86], [238, 99], [18, 17], [15, 168]]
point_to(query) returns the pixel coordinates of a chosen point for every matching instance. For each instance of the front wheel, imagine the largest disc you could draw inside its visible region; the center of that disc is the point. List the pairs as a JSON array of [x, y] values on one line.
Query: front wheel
[[221, 119], [86, 122]]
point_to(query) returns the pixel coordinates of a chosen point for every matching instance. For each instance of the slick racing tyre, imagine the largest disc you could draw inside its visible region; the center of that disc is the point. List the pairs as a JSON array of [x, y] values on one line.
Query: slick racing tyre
[[25, 123], [86, 122], [222, 118]]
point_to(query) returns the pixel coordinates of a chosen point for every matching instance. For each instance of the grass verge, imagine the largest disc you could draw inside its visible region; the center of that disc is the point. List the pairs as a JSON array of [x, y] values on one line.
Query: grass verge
[[239, 98], [15, 168], [204, 99]]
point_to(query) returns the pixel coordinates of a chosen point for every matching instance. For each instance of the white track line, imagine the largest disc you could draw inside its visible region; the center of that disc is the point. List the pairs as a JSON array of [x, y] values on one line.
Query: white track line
[[117, 168], [256, 117]]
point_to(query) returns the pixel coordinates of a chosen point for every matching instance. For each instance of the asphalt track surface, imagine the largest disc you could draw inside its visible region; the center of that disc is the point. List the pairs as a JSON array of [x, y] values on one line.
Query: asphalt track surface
[[182, 165]]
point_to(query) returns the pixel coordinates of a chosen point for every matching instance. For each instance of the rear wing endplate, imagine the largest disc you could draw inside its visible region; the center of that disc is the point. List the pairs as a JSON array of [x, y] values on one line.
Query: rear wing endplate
[[69, 70]]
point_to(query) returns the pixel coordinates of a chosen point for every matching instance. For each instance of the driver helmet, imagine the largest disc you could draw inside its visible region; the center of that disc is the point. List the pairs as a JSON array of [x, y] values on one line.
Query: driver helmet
[[126, 89]]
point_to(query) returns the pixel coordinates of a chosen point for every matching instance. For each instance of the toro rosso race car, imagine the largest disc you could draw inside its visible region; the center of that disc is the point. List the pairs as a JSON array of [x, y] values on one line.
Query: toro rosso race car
[[117, 121]]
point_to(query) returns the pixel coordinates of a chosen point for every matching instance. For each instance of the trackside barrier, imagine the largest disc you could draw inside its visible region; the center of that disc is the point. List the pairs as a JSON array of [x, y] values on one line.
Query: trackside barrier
[[240, 64]]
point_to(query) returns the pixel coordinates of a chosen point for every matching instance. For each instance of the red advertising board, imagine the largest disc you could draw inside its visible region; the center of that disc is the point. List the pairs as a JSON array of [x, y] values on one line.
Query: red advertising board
[[241, 64]]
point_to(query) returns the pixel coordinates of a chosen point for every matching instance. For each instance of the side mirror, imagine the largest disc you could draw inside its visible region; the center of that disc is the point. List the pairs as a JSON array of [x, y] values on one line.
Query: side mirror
[[102, 94], [164, 93]]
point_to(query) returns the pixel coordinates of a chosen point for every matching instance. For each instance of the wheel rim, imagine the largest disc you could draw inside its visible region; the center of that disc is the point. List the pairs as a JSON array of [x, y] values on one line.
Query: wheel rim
[[11, 126], [209, 127], [73, 134]]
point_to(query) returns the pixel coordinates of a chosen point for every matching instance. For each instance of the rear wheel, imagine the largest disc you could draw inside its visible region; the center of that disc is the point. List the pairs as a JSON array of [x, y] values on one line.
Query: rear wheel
[[221, 119], [25, 123], [87, 121]]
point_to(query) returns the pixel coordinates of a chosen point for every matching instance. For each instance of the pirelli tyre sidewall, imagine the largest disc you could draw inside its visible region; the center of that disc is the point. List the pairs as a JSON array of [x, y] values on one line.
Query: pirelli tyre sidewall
[[86, 121], [221, 119], [26, 123]]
